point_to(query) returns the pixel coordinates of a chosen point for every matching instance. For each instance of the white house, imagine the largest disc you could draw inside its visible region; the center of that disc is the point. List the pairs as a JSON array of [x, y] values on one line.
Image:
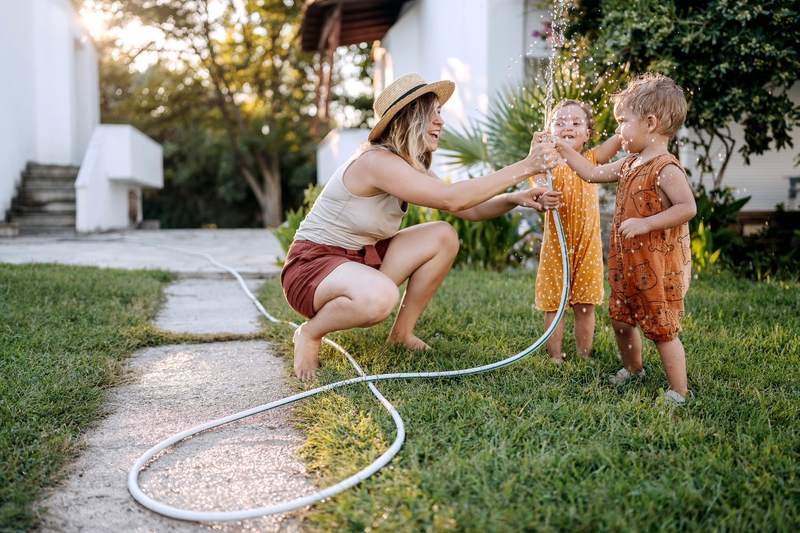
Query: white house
[[49, 104], [484, 46]]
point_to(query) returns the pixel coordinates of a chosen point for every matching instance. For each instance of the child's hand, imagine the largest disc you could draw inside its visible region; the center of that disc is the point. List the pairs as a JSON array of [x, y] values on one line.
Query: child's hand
[[633, 227]]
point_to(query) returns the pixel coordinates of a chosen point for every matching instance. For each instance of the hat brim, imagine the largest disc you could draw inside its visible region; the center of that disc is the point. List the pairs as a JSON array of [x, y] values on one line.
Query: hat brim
[[442, 89]]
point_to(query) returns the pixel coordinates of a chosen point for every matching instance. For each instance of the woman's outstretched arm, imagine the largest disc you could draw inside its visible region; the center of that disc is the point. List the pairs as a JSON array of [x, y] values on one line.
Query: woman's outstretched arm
[[384, 171], [538, 198]]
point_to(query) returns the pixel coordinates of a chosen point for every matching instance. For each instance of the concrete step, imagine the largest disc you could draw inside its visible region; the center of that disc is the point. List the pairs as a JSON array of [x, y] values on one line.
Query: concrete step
[[44, 195], [8, 229], [64, 208], [51, 171], [46, 230], [41, 220], [36, 183]]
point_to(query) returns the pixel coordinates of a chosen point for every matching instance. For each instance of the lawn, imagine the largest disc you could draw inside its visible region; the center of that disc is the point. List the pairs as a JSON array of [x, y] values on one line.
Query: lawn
[[64, 332], [546, 447]]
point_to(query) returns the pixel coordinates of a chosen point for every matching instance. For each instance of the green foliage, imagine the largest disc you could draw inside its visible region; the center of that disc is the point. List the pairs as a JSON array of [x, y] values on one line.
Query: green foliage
[[285, 232], [773, 253], [704, 253], [496, 244], [717, 210], [542, 447], [736, 58], [504, 137]]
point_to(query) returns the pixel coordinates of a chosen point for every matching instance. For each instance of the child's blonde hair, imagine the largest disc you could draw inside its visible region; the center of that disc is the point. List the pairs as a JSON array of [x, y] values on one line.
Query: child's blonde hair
[[586, 108], [658, 95]]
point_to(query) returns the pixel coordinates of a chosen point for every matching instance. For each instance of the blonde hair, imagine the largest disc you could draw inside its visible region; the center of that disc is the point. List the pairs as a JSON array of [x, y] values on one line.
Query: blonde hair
[[658, 95], [405, 134], [586, 108]]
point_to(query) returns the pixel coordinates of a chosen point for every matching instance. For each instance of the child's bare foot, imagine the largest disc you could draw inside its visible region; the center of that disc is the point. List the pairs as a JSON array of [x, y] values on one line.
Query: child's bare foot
[[412, 342], [306, 355], [558, 358]]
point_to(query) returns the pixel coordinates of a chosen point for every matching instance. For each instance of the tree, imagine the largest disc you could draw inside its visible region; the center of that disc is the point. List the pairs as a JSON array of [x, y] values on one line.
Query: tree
[[233, 71], [737, 59]]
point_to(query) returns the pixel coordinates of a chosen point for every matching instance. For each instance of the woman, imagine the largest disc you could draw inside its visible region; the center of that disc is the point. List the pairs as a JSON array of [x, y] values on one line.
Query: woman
[[349, 256]]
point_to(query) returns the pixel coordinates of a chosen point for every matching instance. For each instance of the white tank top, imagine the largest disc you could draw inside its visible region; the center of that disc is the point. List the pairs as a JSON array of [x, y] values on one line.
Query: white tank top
[[340, 218]]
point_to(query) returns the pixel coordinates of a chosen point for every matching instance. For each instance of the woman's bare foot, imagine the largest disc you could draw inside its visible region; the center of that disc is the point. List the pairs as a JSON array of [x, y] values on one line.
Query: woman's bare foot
[[306, 355], [412, 342]]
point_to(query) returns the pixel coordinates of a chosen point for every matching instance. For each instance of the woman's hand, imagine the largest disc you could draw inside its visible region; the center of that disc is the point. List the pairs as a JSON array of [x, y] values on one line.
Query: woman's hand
[[542, 155]]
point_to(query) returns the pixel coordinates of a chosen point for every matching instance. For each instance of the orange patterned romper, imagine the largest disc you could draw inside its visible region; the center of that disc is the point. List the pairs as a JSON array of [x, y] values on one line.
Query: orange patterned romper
[[649, 274]]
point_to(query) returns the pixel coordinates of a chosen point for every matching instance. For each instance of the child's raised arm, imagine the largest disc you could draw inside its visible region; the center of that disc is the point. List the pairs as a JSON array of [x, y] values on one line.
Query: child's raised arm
[[607, 149], [586, 170], [676, 187]]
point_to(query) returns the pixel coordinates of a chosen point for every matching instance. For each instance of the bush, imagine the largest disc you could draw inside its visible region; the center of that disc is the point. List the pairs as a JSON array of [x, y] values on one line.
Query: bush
[[716, 211], [285, 232], [495, 244], [772, 253]]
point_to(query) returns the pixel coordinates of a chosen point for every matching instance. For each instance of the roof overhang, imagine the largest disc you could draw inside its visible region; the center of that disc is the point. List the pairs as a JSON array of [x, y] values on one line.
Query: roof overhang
[[361, 20]]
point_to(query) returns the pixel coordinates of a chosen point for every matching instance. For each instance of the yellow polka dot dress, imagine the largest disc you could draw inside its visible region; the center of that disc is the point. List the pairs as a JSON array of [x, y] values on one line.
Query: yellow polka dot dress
[[580, 216]]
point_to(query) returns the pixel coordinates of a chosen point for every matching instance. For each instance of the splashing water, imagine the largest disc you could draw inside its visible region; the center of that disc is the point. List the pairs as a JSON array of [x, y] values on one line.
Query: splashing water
[[556, 42]]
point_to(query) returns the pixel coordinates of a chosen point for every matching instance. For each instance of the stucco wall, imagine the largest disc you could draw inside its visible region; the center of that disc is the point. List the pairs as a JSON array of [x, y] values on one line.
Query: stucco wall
[[49, 98]]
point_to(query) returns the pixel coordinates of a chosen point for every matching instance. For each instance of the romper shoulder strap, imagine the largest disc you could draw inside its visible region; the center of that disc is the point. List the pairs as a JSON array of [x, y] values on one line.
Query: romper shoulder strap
[[659, 163]]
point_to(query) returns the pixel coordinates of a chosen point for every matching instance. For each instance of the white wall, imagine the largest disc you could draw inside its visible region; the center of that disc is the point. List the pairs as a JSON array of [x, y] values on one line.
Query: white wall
[[49, 94], [119, 161], [505, 60], [17, 133], [335, 149]]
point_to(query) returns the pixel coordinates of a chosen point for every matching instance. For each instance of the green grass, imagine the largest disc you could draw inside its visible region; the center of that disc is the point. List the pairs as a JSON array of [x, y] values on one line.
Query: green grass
[[64, 332], [542, 447]]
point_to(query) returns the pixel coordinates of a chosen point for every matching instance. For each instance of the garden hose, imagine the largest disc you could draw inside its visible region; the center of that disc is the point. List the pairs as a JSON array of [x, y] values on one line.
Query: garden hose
[[380, 462]]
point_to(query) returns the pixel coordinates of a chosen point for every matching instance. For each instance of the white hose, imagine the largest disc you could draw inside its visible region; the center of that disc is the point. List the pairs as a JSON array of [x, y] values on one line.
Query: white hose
[[380, 462]]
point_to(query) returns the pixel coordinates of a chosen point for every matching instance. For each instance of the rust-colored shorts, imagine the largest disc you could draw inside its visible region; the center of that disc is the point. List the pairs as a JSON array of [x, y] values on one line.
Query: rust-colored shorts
[[308, 263]]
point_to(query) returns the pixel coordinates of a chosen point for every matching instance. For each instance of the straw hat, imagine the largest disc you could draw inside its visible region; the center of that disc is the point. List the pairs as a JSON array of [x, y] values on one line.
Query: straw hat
[[400, 93]]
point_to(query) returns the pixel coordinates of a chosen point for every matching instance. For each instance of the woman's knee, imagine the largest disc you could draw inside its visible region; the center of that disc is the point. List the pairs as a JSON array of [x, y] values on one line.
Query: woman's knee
[[446, 236], [378, 302]]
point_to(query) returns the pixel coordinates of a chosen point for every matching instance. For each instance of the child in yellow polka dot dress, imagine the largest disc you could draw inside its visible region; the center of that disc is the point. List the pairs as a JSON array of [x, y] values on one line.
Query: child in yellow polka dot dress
[[573, 121]]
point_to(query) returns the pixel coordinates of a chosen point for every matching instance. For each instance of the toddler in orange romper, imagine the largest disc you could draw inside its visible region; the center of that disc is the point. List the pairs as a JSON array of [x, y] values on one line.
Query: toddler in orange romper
[[649, 260]]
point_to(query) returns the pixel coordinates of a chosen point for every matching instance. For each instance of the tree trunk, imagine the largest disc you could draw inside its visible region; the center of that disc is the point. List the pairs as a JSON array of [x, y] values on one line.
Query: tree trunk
[[267, 190], [272, 207]]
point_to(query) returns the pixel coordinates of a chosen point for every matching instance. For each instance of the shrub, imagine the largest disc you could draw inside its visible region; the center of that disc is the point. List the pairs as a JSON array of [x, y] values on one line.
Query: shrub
[[772, 253], [285, 232], [498, 243]]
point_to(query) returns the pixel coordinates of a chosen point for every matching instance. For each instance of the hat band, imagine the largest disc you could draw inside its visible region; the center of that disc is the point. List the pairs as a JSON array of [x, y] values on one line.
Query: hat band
[[403, 96]]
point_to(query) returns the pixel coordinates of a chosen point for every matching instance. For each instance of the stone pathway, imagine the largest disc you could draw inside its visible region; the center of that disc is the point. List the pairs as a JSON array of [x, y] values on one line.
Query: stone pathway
[[209, 306], [250, 463], [252, 252]]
